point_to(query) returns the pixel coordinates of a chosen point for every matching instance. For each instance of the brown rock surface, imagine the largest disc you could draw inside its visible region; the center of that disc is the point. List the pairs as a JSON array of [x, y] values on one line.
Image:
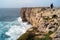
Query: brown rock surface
[[44, 19]]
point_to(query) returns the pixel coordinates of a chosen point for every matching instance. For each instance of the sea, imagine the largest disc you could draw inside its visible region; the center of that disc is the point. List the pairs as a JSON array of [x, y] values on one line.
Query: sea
[[11, 24]]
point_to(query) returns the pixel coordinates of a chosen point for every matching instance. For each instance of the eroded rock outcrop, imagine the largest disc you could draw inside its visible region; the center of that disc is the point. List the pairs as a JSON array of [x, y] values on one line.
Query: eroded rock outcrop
[[42, 19]]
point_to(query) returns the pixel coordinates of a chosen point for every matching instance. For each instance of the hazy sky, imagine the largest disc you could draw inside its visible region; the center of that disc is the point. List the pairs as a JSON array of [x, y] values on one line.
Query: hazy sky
[[28, 3]]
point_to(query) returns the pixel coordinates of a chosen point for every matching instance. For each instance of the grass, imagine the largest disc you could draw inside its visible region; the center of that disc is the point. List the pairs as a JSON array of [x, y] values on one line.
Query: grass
[[29, 36], [26, 36], [23, 37]]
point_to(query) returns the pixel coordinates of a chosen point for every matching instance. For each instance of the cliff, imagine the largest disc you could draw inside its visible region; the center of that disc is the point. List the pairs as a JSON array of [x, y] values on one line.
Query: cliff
[[44, 20]]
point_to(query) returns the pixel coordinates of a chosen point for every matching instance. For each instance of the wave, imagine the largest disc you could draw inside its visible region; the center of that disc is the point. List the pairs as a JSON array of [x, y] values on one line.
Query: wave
[[16, 29]]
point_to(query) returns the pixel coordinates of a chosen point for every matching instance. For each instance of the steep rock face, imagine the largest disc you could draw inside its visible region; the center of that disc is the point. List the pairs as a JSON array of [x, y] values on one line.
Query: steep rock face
[[44, 19], [22, 14]]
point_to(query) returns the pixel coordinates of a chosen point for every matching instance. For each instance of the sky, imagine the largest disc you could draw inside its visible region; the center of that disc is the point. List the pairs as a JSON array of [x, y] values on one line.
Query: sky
[[27, 3]]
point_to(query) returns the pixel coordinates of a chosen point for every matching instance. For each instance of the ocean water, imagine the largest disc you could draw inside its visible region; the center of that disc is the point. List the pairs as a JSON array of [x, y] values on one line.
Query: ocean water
[[11, 25]]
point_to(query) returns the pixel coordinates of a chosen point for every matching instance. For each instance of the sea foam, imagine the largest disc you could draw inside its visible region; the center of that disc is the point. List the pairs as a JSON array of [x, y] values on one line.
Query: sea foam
[[17, 30]]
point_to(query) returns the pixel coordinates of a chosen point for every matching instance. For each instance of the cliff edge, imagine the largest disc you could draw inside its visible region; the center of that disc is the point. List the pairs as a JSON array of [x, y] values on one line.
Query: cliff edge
[[44, 20]]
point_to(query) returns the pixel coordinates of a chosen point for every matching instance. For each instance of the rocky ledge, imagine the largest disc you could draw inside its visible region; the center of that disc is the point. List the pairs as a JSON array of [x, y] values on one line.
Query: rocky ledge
[[45, 23]]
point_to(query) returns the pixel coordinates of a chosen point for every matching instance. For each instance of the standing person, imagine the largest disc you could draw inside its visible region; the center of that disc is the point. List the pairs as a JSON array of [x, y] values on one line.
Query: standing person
[[51, 6]]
